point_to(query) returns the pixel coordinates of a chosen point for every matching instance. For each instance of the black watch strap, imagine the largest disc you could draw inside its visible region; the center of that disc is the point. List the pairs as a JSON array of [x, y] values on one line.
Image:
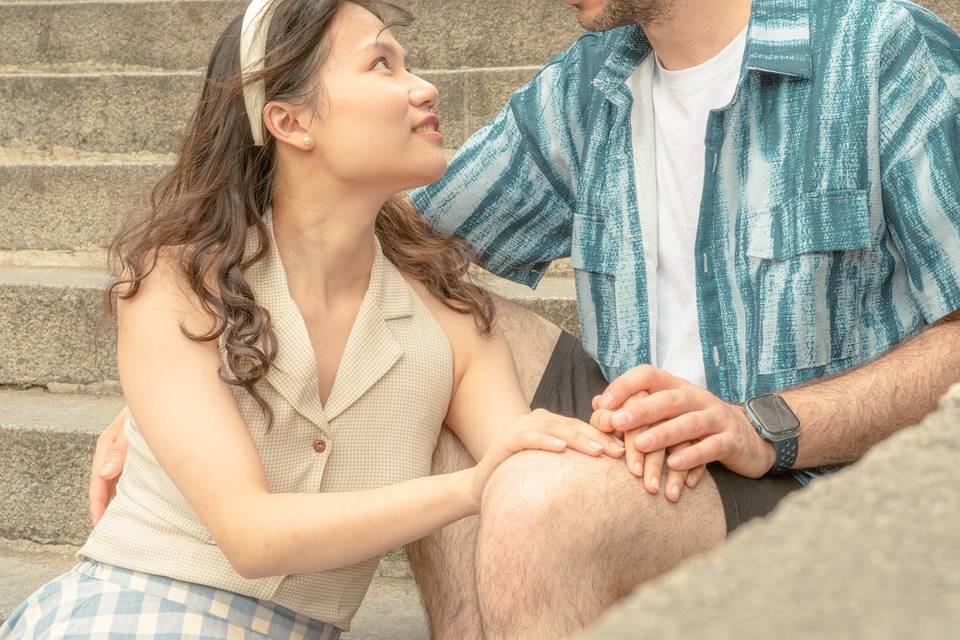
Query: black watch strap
[[786, 456]]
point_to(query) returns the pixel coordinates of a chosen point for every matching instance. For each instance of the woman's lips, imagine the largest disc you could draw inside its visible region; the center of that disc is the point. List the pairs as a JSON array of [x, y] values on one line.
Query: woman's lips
[[430, 128]]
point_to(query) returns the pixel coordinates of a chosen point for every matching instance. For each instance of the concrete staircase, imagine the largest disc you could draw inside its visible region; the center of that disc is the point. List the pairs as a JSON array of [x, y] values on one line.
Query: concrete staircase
[[94, 95]]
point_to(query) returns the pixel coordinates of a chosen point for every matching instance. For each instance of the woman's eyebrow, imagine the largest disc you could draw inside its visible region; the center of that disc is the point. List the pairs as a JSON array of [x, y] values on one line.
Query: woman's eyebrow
[[387, 49]]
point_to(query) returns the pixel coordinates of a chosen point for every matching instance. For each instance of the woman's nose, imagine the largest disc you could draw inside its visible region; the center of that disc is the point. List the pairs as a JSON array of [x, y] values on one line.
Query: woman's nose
[[423, 94]]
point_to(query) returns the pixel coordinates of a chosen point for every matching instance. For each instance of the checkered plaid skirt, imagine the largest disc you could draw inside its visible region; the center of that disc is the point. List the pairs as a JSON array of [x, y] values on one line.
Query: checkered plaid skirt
[[96, 600]]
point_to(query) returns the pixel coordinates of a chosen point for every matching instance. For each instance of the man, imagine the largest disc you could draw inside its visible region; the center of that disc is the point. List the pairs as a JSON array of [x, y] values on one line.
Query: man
[[797, 184]]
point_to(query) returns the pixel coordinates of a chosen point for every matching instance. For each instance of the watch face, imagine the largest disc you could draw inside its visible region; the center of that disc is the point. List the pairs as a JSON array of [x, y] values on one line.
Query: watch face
[[774, 414]]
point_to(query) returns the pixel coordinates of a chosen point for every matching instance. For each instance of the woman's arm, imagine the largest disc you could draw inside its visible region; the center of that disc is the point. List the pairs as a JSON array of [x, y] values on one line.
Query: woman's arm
[[488, 396], [191, 421]]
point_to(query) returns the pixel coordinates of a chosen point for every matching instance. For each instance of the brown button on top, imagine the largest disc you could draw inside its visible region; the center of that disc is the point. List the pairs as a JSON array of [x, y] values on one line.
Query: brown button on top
[[319, 446]]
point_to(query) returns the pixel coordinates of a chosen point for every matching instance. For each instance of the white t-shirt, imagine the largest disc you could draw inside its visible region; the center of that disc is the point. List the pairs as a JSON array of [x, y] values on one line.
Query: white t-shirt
[[682, 101]]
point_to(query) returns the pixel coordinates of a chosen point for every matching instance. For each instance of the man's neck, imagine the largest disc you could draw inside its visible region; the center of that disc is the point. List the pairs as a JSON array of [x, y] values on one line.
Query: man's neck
[[694, 31]]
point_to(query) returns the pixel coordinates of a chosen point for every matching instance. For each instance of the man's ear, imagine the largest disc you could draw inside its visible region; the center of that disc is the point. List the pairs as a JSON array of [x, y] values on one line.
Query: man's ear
[[283, 122]]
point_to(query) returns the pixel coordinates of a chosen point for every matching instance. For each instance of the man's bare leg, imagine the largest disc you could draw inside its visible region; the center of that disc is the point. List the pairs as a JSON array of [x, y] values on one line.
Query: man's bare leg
[[444, 563], [562, 537]]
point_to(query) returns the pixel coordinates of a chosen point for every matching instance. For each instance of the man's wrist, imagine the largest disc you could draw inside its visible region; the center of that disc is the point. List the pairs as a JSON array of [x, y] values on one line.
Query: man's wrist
[[767, 453]]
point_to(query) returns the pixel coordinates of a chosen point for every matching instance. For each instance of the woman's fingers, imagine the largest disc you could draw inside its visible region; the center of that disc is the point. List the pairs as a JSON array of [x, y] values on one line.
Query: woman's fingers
[[600, 419], [695, 476], [652, 469], [580, 435], [611, 445], [536, 439], [634, 457], [676, 479]]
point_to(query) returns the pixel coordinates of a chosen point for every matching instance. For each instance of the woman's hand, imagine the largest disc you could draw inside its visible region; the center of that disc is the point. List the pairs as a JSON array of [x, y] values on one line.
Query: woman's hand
[[108, 462], [544, 431]]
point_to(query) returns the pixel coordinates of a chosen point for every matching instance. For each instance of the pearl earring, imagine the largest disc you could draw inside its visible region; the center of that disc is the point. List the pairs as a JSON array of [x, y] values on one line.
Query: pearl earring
[[307, 140]]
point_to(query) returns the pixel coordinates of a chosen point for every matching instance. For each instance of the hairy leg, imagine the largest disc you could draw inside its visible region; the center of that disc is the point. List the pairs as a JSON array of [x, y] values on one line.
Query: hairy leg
[[564, 536], [443, 563]]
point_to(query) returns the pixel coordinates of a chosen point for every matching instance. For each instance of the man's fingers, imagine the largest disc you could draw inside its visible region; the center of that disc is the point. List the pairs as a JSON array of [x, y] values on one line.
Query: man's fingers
[[684, 428], [704, 452], [639, 411], [643, 378], [652, 469], [113, 461], [97, 498]]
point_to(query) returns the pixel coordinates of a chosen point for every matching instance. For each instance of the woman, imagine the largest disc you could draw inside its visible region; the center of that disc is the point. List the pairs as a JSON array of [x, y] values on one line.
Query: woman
[[290, 339]]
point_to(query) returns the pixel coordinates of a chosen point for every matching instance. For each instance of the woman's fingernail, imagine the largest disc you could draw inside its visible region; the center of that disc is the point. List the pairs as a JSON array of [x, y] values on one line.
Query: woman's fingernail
[[596, 446], [107, 469], [638, 468], [559, 443], [621, 418], [644, 442], [616, 444], [677, 461], [606, 400], [675, 491], [655, 482]]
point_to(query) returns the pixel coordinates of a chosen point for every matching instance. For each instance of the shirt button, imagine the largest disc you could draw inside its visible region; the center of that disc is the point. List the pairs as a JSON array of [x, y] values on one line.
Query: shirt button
[[706, 264], [319, 446], [716, 357]]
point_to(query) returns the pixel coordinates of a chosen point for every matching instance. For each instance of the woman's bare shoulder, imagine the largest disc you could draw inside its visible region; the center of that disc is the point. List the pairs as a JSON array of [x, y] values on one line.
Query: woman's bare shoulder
[[167, 289]]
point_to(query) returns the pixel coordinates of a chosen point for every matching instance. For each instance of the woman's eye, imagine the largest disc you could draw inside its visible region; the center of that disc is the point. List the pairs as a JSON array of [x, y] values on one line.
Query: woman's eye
[[381, 63]]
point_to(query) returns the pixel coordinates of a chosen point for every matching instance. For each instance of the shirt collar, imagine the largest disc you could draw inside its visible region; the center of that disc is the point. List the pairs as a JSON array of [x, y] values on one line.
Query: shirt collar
[[778, 41], [371, 349], [779, 38]]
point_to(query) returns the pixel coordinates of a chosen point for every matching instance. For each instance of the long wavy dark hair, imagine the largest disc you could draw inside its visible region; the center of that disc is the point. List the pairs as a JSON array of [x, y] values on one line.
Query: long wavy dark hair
[[221, 184]]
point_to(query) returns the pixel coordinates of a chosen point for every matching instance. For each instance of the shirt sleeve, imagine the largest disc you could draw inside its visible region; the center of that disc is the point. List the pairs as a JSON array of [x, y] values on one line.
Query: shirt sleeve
[[510, 191], [919, 93]]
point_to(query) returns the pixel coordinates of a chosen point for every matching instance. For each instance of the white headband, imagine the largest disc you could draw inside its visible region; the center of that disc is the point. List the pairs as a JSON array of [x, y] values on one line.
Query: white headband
[[253, 49]]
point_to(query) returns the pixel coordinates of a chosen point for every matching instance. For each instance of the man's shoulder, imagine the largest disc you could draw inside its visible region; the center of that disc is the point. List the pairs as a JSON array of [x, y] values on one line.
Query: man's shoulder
[[881, 30], [584, 59]]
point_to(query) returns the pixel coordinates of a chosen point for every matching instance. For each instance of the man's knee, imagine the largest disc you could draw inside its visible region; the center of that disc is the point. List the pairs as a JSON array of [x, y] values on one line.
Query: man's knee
[[572, 497]]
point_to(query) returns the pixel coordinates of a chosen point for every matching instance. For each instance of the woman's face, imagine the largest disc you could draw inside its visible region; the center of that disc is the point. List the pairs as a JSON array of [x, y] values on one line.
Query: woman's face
[[375, 124]]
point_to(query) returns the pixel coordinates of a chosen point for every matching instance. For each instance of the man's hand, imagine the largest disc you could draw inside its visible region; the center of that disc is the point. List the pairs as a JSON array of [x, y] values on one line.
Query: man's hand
[[683, 412], [649, 466], [107, 464]]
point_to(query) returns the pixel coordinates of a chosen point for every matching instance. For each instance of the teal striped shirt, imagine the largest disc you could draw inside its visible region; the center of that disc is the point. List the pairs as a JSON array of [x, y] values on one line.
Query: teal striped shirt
[[829, 229]]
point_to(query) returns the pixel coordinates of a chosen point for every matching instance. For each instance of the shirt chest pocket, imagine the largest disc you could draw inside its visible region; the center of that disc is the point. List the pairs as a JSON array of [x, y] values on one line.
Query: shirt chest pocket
[[807, 256]]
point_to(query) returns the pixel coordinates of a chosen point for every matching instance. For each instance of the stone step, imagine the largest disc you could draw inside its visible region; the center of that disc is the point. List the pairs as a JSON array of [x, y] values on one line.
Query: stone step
[[69, 201], [62, 207], [392, 609], [60, 335], [130, 112], [180, 35], [46, 448]]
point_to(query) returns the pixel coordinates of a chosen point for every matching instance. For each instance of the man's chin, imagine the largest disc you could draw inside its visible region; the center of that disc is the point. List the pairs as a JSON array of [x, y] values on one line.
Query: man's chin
[[587, 18]]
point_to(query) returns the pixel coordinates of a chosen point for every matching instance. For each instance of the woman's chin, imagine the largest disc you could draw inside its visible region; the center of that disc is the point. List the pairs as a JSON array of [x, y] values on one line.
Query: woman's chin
[[432, 172]]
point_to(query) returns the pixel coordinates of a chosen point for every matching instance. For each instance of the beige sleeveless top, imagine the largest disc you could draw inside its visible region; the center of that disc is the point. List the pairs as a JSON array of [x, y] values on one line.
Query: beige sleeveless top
[[379, 427]]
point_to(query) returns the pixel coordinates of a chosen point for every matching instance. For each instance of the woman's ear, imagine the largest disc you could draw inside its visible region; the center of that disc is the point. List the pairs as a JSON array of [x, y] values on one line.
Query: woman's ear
[[283, 122]]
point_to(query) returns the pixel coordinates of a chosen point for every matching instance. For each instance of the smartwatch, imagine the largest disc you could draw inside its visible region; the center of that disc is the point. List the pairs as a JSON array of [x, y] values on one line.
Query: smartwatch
[[777, 424]]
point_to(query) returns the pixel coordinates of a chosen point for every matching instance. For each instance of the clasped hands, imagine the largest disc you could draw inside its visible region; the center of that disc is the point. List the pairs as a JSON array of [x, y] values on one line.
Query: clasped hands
[[665, 419]]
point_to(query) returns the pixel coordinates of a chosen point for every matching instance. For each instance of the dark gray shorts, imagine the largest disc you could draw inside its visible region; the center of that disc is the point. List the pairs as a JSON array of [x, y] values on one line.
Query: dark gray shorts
[[568, 386]]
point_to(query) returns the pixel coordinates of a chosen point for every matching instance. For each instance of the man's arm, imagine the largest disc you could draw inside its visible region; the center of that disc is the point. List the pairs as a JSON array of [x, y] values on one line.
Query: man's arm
[[511, 189], [844, 416]]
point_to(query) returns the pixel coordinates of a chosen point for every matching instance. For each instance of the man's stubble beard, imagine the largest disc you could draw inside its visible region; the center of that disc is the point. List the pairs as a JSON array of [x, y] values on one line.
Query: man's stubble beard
[[617, 13]]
